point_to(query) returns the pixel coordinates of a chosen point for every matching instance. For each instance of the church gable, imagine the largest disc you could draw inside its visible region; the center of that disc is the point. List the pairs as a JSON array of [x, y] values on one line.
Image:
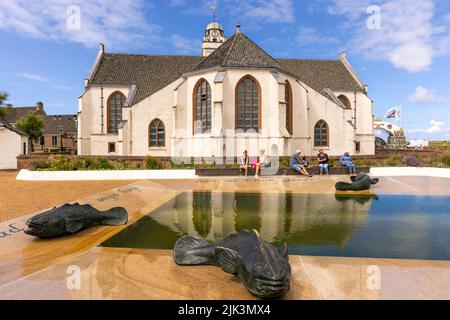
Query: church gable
[[238, 52]]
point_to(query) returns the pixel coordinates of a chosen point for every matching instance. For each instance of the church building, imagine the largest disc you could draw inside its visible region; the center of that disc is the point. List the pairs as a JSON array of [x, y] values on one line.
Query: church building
[[233, 97]]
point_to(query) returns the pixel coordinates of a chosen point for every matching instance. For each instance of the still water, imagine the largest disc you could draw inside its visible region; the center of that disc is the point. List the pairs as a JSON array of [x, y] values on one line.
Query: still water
[[402, 227]]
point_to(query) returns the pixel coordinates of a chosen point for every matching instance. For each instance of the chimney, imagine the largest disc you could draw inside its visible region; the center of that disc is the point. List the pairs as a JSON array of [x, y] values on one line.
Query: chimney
[[343, 56], [238, 28], [39, 107], [102, 47], [8, 106]]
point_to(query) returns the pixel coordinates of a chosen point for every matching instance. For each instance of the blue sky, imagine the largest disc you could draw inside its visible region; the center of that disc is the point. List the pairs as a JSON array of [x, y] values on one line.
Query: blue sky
[[403, 53]]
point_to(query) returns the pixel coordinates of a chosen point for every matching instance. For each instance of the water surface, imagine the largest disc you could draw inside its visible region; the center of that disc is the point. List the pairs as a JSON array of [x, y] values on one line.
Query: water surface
[[402, 227]]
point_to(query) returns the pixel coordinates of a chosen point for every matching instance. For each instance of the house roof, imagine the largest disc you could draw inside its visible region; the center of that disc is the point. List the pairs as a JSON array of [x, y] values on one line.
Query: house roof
[[238, 52], [13, 114], [67, 123], [7, 125], [151, 73]]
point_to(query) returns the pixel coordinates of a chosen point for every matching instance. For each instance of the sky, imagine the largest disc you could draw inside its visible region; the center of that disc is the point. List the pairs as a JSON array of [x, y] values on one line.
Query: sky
[[400, 48]]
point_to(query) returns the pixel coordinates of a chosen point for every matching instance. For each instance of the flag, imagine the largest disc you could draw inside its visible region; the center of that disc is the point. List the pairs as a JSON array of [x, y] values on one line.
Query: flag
[[394, 113]]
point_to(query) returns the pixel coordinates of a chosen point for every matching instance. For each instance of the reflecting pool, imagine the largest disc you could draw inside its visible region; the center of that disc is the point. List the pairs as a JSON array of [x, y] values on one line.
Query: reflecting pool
[[402, 227]]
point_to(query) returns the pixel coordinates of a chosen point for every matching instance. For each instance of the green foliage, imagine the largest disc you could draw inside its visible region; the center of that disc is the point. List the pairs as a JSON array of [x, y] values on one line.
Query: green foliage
[[97, 164], [73, 164], [32, 125], [181, 165], [446, 160], [152, 163], [3, 97], [393, 161]]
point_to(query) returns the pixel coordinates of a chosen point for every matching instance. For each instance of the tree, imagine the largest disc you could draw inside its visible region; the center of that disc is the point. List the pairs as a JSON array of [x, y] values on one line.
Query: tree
[[32, 124], [3, 97]]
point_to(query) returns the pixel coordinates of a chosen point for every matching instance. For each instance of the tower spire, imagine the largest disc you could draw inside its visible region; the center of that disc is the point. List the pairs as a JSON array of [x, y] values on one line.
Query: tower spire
[[214, 9]]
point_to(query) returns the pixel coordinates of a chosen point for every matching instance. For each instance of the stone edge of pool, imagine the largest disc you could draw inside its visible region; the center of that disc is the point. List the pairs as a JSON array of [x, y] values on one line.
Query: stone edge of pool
[[27, 175]]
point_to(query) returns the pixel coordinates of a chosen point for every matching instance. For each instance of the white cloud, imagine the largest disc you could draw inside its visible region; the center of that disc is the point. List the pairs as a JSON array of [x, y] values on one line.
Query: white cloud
[[32, 76], [436, 127], [425, 96], [409, 38], [116, 23], [243, 11], [308, 36]]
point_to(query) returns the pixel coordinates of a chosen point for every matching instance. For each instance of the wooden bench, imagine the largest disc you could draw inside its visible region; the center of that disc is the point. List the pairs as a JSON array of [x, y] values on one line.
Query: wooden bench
[[233, 172]]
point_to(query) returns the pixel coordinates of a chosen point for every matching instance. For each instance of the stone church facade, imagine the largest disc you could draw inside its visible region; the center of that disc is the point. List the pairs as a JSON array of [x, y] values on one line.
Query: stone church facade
[[233, 97]]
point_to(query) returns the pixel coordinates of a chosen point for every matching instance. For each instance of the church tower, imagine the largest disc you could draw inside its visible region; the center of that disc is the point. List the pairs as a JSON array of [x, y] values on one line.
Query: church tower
[[214, 37]]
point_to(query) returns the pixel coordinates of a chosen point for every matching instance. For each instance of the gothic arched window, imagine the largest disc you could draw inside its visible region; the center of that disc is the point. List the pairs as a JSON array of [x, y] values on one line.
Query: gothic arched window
[[202, 107], [345, 101], [115, 104], [248, 104], [289, 108], [321, 134], [156, 134]]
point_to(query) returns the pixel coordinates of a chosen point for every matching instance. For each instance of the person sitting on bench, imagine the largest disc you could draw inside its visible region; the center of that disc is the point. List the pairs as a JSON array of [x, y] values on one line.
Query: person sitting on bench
[[263, 162], [296, 164], [245, 163], [323, 160], [347, 161]]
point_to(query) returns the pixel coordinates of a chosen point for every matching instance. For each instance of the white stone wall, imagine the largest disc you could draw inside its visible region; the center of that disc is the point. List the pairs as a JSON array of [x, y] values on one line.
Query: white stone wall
[[174, 106], [11, 146], [93, 137]]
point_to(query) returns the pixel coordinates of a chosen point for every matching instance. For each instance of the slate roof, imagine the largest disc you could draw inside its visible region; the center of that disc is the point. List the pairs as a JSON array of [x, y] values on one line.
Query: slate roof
[[322, 74], [66, 122], [9, 126], [238, 52], [151, 73], [15, 113]]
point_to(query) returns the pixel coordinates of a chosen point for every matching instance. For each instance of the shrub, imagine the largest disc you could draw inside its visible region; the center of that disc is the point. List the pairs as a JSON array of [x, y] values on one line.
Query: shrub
[[393, 161], [40, 165], [446, 160], [151, 163]]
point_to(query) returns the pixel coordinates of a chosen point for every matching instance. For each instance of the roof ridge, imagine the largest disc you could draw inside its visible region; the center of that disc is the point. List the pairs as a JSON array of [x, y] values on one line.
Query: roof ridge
[[231, 48], [259, 47], [151, 55], [300, 59]]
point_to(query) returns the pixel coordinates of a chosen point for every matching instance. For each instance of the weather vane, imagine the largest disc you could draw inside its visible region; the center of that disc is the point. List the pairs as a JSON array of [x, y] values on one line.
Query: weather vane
[[214, 8]]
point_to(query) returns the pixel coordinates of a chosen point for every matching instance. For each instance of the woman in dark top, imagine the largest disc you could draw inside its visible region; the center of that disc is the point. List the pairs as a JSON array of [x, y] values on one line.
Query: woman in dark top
[[323, 160]]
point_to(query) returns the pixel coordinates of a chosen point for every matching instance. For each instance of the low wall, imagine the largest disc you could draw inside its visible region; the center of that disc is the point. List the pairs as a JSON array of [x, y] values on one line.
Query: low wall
[[27, 175], [410, 172]]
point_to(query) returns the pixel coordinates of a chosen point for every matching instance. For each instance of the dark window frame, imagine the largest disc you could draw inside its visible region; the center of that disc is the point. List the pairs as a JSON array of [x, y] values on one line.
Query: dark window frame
[[248, 103], [113, 149], [321, 129], [205, 94], [289, 108], [113, 128], [159, 129], [345, 101]]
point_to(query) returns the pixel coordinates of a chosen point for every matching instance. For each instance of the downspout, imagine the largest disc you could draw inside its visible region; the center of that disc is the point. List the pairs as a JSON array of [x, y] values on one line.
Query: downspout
[[354, 116], [131, 131], [102, 106]]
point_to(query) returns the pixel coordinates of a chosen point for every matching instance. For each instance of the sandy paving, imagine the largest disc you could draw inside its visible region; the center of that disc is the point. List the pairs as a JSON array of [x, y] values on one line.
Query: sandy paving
[[18, 198]]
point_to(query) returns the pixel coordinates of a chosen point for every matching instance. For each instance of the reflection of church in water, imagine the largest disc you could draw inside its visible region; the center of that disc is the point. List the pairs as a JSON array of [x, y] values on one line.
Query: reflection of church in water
[[279, 217]]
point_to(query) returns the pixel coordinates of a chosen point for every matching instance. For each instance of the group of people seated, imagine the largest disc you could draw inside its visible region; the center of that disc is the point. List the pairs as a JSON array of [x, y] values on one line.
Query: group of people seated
[[262, 161], [297, 162], [301, 165]]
